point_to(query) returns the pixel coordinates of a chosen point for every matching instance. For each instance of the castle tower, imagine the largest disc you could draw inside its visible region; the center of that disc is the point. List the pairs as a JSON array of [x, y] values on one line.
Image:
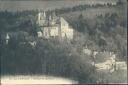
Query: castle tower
[[44, 14], [52, 19], [7, 38], [42, 18], [39, 17]]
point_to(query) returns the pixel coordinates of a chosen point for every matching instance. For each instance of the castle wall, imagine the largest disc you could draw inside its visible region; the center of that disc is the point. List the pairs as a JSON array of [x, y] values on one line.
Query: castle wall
[[54, 31], [41, 19], [46, 32], [66, 31]]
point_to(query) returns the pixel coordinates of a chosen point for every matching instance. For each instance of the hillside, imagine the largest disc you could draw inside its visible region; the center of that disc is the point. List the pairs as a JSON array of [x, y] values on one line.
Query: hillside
[[107, 22], [101, 28]]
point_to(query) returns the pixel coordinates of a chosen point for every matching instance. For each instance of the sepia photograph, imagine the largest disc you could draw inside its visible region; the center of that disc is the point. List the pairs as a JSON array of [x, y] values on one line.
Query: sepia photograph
[[55, 42]]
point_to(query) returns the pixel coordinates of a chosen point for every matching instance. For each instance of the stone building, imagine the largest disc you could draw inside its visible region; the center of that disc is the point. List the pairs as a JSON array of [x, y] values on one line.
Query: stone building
[[52, 26]]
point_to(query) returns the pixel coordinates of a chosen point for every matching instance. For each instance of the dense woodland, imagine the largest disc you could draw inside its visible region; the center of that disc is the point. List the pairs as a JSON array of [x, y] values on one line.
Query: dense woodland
[[56, 58]]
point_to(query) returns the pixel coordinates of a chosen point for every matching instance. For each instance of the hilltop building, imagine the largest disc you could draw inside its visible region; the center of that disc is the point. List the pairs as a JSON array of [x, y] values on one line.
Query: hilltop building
[[52, 26]]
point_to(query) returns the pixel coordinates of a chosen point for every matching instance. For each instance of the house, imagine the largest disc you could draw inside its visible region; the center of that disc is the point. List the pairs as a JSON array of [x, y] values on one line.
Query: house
[[107, 65], [32, 43], [52, 26], [87, 51], [39, 33], [111, 64], [121, 65]]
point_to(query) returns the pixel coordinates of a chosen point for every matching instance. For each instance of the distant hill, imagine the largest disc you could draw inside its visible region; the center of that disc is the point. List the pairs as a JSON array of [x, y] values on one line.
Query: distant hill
[[45, 5]]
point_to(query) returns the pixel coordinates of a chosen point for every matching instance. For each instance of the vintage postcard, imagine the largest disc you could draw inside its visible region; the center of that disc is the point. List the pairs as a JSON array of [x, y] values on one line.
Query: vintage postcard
[[63, 42]]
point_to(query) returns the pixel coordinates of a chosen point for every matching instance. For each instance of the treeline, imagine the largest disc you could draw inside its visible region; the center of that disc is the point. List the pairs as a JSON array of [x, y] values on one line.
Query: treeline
[[83, 7]]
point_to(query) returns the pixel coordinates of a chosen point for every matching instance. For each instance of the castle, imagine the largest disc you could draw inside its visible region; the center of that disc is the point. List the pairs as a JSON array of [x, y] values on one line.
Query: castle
[[52, 26]]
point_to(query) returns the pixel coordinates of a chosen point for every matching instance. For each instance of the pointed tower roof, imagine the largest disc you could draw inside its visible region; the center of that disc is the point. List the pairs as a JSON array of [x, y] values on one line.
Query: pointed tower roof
[[44, 14], [7, 36]]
